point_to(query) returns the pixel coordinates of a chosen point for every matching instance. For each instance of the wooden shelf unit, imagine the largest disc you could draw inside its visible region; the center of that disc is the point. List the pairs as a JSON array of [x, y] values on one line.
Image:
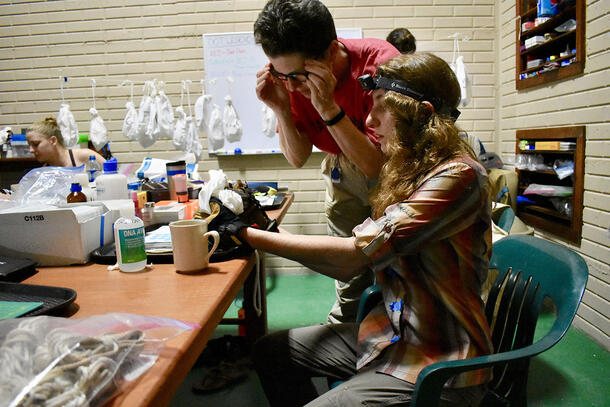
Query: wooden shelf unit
[[543, 215], [574, 39]]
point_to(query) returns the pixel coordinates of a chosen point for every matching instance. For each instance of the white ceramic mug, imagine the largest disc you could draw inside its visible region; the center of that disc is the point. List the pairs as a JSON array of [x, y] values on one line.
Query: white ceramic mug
[[190, 244]]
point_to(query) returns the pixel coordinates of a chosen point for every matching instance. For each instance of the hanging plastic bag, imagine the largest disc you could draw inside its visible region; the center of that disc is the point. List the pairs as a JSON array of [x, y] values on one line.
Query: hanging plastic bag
[[203, 109], [269, 122], [165, 114], [179, 137], [65, 120], [146, 113], [78, 362], [232, 128], [216, 137], [130, 122], [98, 135], [180, 128], [193, 145], [459, 68], [230, 121], [152, 128], [67, 126]]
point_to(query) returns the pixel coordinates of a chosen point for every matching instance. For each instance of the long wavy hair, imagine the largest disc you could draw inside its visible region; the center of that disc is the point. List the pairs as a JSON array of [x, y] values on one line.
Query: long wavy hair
[[423, 139]]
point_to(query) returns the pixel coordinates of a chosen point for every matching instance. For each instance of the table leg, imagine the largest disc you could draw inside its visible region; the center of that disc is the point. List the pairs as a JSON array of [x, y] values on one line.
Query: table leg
[[255, 325]]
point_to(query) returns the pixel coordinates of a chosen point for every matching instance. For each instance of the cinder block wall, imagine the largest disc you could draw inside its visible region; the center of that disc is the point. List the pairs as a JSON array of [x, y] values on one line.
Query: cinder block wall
[[140, 40]]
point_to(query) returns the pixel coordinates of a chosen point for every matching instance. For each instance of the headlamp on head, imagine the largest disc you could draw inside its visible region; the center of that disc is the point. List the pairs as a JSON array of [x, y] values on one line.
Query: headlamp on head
[[369, 82]]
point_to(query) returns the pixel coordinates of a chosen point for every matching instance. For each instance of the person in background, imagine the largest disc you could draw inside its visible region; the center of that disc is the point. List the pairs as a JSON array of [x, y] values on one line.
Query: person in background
[[46, 143], [402, 39], [429, 246], [311, 85]]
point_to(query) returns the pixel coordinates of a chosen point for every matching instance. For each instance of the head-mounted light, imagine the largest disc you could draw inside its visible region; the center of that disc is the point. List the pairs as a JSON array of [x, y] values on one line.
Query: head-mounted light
[[369, 82]]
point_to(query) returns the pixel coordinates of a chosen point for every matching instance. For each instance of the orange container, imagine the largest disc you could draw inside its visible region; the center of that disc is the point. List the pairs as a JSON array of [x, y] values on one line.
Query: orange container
[[191, 206]]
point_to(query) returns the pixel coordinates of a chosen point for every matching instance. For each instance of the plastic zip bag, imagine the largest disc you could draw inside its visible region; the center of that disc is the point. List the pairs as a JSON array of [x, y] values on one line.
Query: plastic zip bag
[[67, 126], [52, 361], [45, 186], [65, 120], [164, 127], [232, 128], [216, 139], [203, 109], [459, 68], [146, 113], [269, 122], [98, 135]]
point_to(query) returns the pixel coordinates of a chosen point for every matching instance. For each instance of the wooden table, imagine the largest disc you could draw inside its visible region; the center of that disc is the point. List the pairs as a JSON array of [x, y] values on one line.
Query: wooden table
[[197, 298]]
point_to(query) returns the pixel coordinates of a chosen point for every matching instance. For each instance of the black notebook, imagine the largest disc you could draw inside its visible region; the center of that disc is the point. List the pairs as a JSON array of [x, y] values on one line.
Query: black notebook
[[15, 270]]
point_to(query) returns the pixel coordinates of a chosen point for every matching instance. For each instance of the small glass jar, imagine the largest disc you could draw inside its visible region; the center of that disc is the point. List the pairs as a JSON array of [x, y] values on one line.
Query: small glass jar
[[148, 213]]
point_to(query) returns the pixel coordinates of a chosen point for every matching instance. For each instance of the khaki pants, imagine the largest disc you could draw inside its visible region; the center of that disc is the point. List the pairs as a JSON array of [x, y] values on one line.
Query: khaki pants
[[287, 360], [347, 206]]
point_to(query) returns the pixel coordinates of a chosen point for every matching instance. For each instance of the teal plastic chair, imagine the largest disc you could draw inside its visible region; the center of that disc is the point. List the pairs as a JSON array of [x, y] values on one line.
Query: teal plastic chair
[[506, 219], [530, 269]]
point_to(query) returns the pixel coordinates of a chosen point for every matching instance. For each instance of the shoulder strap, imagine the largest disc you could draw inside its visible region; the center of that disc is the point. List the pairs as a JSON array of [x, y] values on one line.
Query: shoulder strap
[[72, 158]]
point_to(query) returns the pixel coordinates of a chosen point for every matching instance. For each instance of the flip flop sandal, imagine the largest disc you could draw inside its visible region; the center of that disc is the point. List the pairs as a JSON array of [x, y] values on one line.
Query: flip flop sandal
[[220, 377]]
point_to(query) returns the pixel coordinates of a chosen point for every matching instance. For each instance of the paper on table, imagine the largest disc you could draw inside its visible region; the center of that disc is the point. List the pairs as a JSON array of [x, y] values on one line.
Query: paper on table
[[159, 240], [13, 309]]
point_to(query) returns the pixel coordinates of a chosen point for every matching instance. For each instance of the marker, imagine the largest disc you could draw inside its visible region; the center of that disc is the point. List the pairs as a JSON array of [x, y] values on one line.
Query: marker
[[237, 151]]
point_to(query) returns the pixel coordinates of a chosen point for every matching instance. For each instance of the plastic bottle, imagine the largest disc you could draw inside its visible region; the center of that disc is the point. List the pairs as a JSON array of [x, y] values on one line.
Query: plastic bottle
[[176, 178], [76, 194], [129, 243], [92, 168], [111, 185], [83, 179], [136, 203]]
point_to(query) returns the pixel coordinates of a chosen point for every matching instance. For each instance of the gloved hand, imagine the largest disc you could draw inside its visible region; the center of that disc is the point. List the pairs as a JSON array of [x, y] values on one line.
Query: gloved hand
[[227, 223]]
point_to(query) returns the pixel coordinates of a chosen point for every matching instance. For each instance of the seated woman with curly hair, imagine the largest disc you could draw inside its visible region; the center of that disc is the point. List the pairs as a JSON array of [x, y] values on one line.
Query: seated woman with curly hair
[[429, 247]]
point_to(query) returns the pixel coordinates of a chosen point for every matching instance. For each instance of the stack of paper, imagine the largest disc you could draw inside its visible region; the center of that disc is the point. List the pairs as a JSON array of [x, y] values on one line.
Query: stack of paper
[[159, 240]]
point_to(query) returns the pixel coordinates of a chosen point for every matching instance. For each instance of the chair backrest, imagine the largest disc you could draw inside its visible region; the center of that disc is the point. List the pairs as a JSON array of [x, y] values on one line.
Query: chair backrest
[[530, 269]]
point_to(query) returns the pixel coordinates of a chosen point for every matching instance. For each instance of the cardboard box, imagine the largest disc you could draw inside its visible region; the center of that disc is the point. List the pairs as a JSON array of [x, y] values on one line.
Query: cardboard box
[[547, 145], [168, 211], [533, 41], [55, 237]]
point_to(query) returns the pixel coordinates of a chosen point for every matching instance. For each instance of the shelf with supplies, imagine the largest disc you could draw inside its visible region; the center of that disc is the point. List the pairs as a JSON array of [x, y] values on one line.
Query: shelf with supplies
[[550, 169], [544, 54]]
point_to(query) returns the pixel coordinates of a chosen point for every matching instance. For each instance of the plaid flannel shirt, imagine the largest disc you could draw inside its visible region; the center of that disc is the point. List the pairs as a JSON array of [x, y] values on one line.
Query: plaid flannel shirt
[[430, 255]]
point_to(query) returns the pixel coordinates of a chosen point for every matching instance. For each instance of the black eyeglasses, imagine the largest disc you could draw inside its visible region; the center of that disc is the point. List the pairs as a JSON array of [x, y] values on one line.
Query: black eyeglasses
[[295, 76]]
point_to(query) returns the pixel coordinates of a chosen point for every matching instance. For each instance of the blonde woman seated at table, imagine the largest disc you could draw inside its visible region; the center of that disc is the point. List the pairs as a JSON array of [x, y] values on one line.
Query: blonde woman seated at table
[[46, 143], [429, 247]]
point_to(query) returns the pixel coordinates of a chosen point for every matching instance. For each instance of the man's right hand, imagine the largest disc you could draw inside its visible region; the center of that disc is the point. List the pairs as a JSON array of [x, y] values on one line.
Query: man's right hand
[[271, 91]]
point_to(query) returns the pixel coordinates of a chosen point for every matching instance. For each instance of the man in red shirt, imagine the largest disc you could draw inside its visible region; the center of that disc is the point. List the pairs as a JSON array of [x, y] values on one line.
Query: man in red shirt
[[311, 85]]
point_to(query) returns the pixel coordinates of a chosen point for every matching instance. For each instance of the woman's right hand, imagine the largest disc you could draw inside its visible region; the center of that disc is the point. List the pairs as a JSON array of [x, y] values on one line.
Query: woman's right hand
[[271, 91]]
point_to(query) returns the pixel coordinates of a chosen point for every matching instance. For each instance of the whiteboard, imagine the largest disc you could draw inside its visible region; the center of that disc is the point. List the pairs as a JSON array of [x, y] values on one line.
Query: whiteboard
[[231, 61]]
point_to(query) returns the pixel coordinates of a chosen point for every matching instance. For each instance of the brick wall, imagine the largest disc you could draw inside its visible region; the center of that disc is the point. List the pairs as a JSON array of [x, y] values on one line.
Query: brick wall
[[141, 39]]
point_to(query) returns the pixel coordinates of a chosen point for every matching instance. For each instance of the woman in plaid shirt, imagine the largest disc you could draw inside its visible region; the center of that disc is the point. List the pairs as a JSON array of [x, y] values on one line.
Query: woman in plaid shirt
[[429, 247]]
